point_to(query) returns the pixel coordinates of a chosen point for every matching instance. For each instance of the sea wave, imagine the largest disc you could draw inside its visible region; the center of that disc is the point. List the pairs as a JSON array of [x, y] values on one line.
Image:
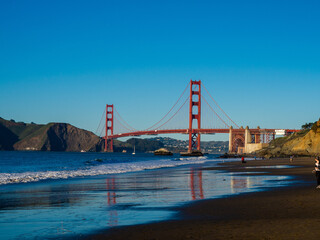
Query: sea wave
[[103, 169]]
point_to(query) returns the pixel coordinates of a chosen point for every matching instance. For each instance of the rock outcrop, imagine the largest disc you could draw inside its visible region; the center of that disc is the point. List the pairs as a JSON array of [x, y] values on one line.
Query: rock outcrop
[[163, 151]]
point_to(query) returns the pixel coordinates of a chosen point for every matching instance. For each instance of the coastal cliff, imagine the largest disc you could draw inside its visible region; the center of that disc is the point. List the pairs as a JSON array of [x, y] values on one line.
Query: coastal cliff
[[303, 143]]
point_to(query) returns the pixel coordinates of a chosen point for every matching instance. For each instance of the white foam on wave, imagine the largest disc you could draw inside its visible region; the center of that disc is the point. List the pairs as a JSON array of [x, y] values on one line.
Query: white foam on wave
[[111, 168]]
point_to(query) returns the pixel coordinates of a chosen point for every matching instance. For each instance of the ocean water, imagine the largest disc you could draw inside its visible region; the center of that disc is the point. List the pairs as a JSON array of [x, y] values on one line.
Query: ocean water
[[50, 195], [23, 167]]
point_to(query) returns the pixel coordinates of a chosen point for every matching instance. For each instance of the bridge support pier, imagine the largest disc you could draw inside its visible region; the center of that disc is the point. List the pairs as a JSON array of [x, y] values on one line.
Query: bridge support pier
[[236, 140], [230, 139], [243, 141]]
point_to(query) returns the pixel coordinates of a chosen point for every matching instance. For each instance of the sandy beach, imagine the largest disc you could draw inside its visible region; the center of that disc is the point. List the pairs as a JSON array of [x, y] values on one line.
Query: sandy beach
[[290, 212]]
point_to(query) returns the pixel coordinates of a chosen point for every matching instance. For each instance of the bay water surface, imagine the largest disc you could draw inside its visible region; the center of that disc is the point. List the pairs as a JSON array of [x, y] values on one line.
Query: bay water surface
[[50, 195]]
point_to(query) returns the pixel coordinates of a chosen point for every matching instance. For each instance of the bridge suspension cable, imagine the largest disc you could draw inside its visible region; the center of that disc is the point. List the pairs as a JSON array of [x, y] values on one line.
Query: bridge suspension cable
[[120, 125], [169, 111], [120, 128], [103, 130], [99, 131], [215, 112], [219, 106], [174, 114], [129, 127], [176, 118]]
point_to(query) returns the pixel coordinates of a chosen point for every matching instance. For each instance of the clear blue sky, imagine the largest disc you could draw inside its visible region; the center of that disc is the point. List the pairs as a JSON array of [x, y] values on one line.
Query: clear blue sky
[[62, 61]]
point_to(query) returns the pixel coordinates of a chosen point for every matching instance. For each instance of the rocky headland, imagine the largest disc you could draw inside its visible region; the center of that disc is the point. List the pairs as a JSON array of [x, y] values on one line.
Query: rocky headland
[[303, 143]]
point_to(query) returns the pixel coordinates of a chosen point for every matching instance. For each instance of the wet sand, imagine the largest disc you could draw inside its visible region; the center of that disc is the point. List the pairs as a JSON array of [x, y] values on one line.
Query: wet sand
[[291, 212]]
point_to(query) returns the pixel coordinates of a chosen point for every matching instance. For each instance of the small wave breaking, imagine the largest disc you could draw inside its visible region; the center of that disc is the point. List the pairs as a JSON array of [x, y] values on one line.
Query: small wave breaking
[[103, 169]]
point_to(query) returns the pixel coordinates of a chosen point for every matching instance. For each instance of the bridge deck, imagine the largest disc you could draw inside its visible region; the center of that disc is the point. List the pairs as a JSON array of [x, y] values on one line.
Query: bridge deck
[[201, 131]]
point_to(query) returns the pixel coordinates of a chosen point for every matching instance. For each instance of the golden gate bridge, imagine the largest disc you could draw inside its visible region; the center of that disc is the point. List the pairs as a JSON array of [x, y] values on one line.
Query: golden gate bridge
[[192, 114]]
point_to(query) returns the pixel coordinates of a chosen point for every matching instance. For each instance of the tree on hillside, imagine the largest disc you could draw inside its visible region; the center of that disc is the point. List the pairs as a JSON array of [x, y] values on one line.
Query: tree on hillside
[[307, 125]]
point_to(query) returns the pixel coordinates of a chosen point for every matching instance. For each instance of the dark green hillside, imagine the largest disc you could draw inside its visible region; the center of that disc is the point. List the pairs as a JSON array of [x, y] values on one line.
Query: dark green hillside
[[7, 138], [35, 139], [145, 145], [141, 145]]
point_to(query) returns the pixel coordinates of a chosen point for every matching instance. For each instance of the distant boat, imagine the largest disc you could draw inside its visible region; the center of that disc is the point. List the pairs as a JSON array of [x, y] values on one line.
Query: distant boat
[[124, 151], [134, 150]]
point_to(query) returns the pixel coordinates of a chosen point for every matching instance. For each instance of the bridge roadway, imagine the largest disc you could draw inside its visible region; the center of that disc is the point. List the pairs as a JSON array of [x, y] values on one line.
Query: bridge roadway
[[201, 131]]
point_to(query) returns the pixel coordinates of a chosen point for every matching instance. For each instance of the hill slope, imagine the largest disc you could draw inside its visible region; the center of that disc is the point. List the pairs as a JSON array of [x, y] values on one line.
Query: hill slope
[[60, 137], [49, 137]]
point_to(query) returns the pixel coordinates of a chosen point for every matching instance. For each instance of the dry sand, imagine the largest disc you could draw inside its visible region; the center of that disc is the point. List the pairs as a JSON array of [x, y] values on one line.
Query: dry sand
[[291, 212]]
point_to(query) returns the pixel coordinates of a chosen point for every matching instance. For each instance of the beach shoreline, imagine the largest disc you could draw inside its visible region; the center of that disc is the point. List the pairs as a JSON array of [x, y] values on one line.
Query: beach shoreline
[[279, 213]]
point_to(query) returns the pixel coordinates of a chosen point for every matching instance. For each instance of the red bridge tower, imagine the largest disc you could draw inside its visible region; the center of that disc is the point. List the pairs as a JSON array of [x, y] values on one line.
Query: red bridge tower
[[108, 146], [194, 115]]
